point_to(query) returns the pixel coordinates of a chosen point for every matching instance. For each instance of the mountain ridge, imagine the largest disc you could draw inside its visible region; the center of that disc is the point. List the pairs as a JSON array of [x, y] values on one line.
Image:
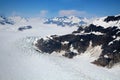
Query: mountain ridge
[[67, 21], [76, 43]]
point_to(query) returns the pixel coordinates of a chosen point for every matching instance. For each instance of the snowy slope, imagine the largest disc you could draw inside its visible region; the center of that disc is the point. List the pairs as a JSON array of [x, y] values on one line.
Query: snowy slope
[[20, 61], [108, 21]]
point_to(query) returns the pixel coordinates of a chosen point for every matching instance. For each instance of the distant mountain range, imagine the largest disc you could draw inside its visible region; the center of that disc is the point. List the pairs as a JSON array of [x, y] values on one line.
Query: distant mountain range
[[67, 21], [11, 20], [59, 21], [4, 20], [62, 21]]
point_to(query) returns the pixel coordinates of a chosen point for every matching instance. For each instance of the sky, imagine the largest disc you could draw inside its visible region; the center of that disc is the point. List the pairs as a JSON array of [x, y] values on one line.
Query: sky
[[51, 8]]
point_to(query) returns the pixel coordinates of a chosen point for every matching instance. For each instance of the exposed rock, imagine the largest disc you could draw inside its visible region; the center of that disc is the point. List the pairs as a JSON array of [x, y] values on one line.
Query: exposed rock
[[80, 29], [48, 46], [70, 54], [112, 18], [78, 42], [24, 28], [102, 61]]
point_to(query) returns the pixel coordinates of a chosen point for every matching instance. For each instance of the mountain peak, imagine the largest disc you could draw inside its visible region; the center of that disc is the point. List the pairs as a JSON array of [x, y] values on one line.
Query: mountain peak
[[67, 21]]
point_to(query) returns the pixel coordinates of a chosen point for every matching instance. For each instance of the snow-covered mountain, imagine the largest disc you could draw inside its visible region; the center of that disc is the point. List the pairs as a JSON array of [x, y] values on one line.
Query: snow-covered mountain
[[20, 59], [18, 22], [18, 19], [104, 34], [108, 21], [59, 21], [67, 21], [12, 20], [5, 20]]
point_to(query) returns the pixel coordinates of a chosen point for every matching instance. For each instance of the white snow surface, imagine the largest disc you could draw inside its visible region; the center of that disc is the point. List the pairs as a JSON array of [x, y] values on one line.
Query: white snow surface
[[101, 22], [20, 61]]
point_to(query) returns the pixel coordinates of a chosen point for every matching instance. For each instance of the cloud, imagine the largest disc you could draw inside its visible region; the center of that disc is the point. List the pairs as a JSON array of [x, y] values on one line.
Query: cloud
[[71, 13], [43, 13]]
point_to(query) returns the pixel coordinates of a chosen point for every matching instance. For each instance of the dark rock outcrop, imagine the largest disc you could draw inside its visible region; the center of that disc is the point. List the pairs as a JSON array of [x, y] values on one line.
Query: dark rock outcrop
[[70, 54], [112, 18], [24, 28], [48, 46]]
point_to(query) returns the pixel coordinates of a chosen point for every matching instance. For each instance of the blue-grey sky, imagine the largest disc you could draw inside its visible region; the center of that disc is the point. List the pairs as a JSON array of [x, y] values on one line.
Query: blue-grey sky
[[50, 8]]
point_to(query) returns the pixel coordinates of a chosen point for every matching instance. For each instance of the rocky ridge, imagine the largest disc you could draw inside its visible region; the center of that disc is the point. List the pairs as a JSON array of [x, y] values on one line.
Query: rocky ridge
[[79, 41]]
